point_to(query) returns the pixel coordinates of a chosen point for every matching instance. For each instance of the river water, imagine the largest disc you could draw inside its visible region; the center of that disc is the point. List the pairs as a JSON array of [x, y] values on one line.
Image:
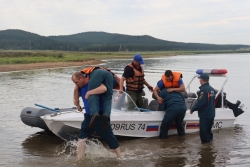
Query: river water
[[21, 145]]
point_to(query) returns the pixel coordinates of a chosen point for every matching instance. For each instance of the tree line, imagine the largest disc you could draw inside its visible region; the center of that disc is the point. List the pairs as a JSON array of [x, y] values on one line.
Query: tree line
[[98, 42]]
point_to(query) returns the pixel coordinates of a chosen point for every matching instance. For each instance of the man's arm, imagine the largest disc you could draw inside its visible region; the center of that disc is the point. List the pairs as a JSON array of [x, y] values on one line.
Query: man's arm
[[149, 86], [201, 102], [155, 91], [121, 84], [99, 90], [180, 89], [76, 98]]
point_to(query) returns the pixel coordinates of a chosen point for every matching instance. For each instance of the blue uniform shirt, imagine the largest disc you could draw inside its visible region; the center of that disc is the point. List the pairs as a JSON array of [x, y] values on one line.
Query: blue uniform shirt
[[171, 100], [82, 92], [160, 83], [205, 102]]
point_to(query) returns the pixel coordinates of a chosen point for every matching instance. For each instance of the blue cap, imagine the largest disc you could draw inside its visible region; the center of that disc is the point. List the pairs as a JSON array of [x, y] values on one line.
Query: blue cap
[[139, 59], [204, 76]]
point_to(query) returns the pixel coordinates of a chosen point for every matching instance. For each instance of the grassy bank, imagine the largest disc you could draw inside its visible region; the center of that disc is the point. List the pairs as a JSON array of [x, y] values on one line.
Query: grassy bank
[[27, 57]]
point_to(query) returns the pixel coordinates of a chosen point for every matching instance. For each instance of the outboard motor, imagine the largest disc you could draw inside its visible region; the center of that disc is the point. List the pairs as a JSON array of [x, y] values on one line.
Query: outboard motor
[[235, 107]]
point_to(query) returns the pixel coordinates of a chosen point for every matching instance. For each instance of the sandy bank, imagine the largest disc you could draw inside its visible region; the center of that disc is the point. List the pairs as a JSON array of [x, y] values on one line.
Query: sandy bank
[[19, 67]]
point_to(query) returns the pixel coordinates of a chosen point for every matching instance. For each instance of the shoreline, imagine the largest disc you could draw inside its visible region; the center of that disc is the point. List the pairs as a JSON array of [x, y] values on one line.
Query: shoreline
[[82, 59], [44, 65], [20, 67]]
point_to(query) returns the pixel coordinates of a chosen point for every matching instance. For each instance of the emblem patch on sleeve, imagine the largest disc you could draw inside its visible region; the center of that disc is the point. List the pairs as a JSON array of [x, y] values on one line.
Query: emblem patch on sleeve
[[201, 95]]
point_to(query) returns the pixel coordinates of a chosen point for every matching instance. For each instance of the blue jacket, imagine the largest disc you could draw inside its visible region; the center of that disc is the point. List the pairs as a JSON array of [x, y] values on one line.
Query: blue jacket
[[172, 100], [205, 102]]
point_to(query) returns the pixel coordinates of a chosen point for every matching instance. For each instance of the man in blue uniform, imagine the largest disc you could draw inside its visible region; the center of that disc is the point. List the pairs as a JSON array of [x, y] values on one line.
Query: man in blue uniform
[[175, 107], [85, 132], [206, 108]]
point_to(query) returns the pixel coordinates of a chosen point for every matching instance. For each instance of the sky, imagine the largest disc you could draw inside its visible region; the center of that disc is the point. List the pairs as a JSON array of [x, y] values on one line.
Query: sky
[[199, 21]]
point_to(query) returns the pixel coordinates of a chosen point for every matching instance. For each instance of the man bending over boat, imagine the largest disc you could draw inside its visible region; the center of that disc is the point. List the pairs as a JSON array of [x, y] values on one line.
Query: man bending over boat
[[170, 80], [82, 82], [174, 105], [97, 76]]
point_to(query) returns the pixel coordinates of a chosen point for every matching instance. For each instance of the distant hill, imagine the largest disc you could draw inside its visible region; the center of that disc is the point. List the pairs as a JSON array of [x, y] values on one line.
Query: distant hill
[[108, 38], [98, 41]]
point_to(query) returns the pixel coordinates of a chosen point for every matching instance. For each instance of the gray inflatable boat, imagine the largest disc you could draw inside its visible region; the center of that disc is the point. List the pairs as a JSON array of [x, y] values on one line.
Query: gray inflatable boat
[[31, 116]]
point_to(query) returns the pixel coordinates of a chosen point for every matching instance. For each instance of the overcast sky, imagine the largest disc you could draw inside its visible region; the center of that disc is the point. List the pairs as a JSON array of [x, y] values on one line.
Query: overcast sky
[[201, 21]]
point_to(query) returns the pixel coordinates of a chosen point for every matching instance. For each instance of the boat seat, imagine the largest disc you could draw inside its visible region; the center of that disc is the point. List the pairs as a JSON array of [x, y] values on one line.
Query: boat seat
[[194, 102], [145, 102], [153, 105], [185, 95], [191, 95], [189, 102], [143, 93]]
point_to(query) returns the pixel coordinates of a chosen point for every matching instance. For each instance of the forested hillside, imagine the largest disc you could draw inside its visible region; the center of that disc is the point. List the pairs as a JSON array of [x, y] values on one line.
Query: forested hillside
[[98, 41]]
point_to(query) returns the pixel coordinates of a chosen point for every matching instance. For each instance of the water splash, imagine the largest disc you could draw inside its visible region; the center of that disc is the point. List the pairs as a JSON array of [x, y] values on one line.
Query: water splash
[[94, 149]]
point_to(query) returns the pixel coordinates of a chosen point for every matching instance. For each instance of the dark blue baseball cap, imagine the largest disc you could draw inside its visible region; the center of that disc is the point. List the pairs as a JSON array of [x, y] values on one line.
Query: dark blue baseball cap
[[139, 59], [204, 76]]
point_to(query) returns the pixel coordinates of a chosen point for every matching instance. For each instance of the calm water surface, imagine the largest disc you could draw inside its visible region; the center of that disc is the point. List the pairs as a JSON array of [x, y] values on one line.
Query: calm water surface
[[21, 145]]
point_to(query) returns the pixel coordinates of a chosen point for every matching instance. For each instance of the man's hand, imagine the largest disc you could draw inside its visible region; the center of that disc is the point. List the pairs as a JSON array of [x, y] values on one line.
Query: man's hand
[[76, 102], [160, 100], [87, 95], [170, 90], [150, 88], [79, 108], [121, 91]]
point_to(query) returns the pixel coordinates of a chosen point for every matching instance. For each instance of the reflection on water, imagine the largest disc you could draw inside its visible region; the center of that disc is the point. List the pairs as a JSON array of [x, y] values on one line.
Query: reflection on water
[[47, 143], [24, 146], [207, 155]]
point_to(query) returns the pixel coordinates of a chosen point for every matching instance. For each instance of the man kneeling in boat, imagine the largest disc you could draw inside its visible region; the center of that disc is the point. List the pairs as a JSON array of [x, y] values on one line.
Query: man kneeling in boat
[[107, 135]]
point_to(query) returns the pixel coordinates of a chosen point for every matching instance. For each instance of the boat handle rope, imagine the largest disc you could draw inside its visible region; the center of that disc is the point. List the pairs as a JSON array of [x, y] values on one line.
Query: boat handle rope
[[51, 109], [66, 112]]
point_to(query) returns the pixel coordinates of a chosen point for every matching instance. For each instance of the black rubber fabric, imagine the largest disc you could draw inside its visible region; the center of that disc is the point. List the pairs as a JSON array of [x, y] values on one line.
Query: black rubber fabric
[[105, 120]]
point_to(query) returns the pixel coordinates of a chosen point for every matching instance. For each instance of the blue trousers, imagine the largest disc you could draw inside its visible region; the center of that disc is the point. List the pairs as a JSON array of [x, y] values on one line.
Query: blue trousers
[[97, 78], [107, 135], [173, 114], [206, 125]]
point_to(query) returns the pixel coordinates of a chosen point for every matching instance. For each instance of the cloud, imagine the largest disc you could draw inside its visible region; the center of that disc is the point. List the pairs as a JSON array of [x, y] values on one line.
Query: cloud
[[175, 20]]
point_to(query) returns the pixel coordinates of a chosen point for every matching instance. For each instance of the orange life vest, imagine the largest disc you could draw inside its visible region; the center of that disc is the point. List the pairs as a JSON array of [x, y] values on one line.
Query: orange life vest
[[174, 82], [135, 83], [88, 71]]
